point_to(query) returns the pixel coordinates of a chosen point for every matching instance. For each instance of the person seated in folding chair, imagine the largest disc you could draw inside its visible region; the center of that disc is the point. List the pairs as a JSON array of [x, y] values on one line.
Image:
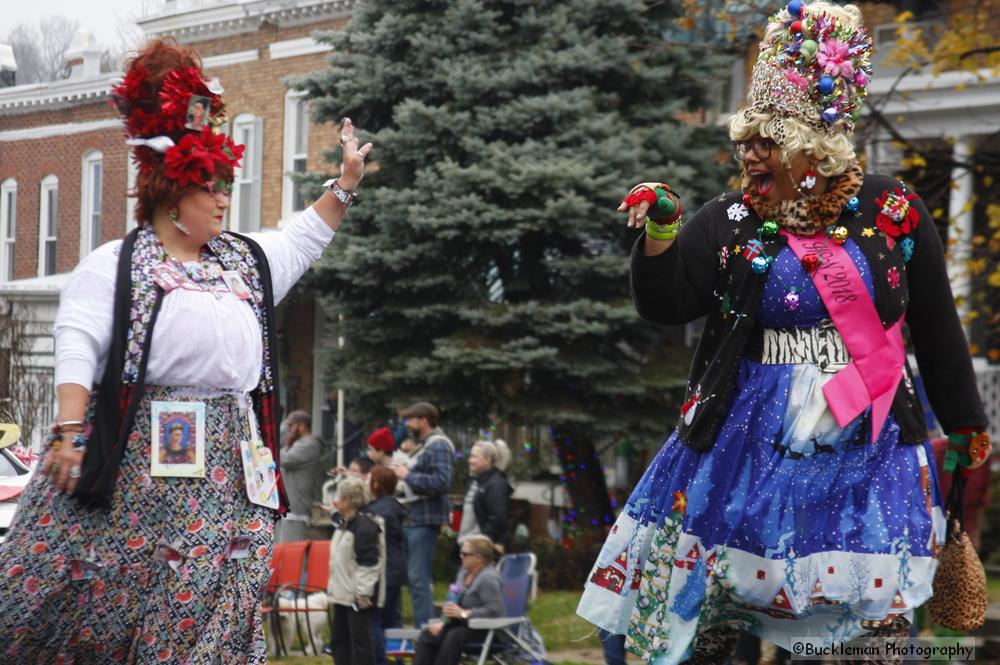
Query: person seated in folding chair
[[476, 593]]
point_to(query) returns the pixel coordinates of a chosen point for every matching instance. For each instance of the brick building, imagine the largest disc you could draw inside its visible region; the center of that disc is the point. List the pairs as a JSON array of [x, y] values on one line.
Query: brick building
[[65, 170]]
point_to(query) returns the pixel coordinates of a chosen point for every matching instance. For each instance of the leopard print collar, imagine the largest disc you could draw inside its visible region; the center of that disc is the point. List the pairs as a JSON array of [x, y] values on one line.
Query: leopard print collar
[[806, 216]]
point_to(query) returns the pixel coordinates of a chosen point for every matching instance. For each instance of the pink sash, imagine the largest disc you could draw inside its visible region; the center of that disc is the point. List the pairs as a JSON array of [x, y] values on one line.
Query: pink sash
[[877, 354]]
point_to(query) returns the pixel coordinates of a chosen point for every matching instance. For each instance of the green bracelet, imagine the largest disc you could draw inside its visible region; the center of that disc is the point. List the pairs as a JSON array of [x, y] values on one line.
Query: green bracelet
[[662, 231]]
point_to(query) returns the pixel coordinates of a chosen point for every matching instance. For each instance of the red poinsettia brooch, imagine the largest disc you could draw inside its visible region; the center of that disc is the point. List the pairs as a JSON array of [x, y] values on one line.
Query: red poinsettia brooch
[[194, 160], [896, 217]]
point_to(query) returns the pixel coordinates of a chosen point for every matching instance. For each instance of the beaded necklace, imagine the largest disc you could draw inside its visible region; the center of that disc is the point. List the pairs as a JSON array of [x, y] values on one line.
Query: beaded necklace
[[203, 273], [200, 271]]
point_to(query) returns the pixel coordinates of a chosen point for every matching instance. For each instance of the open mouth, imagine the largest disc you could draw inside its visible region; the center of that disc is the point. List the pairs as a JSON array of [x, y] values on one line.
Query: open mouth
[[764, 182]]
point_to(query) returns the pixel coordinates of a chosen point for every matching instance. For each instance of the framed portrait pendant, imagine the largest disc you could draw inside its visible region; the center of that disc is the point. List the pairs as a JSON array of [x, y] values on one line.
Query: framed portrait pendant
[[178, 439]]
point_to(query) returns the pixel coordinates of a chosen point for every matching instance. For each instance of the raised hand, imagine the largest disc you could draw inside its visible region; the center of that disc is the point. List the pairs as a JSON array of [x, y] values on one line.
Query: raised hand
[[352, 168]]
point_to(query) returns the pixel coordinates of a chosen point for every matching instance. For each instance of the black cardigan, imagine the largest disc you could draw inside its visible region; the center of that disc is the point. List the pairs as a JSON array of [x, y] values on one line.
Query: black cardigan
[[688, 281]]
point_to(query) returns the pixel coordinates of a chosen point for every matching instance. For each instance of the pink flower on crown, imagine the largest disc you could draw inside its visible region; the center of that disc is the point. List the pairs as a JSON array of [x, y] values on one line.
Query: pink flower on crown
[[796, 79], [834, 58]]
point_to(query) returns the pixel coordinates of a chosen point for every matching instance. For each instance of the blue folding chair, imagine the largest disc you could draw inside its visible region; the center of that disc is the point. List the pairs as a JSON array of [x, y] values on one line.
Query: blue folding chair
[[520, 586]]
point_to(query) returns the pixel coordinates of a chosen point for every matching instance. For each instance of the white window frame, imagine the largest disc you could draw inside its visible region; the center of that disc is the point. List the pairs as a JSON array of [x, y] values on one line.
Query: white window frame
[[8, 228], [293, 98], [90, 206], [131, 203], [50, 183], [248, 130]]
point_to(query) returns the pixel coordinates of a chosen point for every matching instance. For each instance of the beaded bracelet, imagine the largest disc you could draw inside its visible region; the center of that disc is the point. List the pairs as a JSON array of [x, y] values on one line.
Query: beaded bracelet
[[969, 450], [662, 231], [79, 440]]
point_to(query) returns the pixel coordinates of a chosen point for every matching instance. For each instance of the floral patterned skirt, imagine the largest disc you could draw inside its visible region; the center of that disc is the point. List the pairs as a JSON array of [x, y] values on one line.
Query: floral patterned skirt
[[150, 579]]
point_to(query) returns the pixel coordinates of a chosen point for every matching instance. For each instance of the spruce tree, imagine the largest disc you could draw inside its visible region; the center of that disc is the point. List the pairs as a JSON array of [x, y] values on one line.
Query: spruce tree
[[485, 267]]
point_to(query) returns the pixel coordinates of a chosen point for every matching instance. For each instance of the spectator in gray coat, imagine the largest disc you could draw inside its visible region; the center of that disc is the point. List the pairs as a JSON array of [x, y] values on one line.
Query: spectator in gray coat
[[476, 593], [300, 458]]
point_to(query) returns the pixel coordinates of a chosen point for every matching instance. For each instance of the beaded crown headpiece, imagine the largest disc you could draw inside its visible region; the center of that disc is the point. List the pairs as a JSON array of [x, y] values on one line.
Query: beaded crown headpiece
[[812, 67], [176, 127]]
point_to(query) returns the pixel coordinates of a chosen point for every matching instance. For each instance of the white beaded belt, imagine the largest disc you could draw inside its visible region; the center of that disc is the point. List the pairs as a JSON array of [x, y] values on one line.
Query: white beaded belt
[[821, 346]]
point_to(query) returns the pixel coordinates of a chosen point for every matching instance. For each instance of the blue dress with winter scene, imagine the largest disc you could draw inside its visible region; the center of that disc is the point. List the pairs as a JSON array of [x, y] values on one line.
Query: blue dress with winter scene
[[789, 526]]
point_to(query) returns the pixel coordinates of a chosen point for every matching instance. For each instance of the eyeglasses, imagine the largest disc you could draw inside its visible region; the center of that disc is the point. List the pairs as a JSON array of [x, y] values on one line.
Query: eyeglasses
[[760, 146], [223, 191]]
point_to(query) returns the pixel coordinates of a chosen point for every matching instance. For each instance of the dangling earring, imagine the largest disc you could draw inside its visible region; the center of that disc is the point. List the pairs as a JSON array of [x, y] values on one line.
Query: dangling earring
[[809, 180], [180, 227]]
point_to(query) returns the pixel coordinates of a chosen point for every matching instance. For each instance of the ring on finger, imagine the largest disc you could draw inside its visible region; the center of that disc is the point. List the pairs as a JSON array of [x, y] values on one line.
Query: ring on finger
[[74, 471]]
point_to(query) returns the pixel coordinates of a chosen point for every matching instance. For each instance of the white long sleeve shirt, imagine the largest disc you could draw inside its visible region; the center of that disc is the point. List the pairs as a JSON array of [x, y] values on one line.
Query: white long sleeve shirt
[[199, 340]]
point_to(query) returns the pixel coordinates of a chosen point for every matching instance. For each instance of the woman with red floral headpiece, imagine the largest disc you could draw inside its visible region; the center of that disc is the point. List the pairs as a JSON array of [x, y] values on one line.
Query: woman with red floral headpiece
[[119, 553]]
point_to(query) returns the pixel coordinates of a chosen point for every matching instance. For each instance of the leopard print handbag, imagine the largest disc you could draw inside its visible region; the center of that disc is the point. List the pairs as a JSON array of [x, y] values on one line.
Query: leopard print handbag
[[959, 600]]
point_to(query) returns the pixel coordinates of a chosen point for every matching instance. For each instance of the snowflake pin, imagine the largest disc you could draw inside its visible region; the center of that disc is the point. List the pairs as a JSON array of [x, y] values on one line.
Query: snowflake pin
[[737, 212]]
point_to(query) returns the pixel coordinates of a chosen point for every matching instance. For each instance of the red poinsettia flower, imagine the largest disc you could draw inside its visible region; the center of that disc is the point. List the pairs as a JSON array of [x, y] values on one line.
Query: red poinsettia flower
[[195, 159], [129, 91], [131, 87], [896, 217]]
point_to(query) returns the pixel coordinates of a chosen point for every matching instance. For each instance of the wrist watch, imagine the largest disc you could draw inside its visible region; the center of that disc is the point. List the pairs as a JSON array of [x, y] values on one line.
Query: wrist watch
[[466, 614], [347, 197]]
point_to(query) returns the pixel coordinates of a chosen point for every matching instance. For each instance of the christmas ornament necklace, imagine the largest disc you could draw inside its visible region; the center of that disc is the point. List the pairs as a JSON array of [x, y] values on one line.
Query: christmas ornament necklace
[[791, 299], [761, 261]]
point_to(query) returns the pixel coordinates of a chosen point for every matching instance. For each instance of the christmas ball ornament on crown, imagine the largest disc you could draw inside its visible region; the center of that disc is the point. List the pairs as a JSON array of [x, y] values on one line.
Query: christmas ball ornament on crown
[[808, 49], [839, 235], [760, 265], [769, 227]]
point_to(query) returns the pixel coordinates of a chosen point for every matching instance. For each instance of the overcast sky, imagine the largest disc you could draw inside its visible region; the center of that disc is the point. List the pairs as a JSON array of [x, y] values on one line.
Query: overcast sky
[[101, 17], [104, 18]]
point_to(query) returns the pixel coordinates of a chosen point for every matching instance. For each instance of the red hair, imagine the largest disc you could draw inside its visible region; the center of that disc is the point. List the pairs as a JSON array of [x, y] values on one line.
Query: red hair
[[383, 481]]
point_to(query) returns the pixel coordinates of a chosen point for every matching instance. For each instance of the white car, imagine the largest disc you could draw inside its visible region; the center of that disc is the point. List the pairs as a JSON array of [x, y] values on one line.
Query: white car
[[14, 475]]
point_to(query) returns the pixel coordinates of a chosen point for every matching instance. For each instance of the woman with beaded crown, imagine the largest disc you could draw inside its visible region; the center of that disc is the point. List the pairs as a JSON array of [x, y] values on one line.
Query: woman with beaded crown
[[797, 496], [114, 556]]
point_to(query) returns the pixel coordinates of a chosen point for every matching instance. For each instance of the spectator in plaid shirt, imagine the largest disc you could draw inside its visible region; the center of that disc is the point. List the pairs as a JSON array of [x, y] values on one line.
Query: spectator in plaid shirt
[[428, 476]]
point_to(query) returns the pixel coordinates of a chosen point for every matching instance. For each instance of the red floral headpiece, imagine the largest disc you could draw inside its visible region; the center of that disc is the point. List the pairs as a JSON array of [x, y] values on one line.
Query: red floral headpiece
[[191, 154], [195, 160]]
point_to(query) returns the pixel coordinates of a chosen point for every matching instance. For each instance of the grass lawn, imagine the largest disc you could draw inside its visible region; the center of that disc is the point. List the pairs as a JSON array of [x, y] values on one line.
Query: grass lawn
[[553, 615]]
